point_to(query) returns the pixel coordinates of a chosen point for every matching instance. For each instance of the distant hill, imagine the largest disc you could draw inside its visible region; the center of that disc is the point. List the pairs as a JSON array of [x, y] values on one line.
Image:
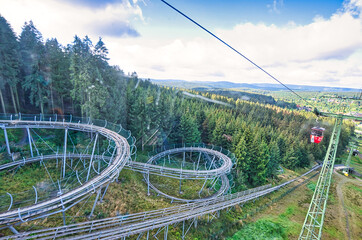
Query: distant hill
[[260, 86]]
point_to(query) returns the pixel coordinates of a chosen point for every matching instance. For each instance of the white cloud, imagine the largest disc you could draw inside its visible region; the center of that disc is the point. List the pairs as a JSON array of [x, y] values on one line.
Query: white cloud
[[63, 19], [275, 6], [324, 52]]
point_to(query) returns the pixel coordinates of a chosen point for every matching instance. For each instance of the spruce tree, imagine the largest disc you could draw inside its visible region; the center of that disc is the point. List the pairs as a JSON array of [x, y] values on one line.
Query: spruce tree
[[189, 129], [273, 164], [35, 77], [9, 64]]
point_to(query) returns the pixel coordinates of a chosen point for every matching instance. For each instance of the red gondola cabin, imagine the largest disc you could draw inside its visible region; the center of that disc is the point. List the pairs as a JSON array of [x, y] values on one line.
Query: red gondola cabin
[[316, 135]]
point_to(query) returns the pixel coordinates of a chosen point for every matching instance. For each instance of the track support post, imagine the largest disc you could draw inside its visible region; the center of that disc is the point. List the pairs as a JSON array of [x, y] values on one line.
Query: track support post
[[104, 193], [7, 141], [166, 232], [198, 161], [91, 160], [95, 202], [13, 230], [148, 183], [30, 144], [183, 230], [64, 222], [65, 150]]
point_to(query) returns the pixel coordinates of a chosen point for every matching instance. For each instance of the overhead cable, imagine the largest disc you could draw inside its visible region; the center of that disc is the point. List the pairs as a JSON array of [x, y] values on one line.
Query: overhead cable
[[239, 53]]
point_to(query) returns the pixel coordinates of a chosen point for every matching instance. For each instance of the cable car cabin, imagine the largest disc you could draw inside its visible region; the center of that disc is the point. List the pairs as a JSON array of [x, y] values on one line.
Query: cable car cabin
[[316, 134]]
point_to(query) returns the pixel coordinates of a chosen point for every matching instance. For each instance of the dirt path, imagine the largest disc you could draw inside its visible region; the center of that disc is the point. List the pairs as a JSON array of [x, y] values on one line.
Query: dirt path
[[342, 209]]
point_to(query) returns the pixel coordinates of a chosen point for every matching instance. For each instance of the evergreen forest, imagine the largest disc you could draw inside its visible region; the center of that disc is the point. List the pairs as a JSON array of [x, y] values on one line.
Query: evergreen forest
[[43, 76]]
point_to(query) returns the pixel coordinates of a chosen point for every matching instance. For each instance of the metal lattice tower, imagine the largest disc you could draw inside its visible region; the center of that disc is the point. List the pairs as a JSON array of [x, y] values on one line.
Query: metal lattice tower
[[313, 223]]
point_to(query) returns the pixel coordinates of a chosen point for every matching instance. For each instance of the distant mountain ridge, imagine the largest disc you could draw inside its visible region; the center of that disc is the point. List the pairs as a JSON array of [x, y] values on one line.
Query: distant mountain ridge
[[259, 86]]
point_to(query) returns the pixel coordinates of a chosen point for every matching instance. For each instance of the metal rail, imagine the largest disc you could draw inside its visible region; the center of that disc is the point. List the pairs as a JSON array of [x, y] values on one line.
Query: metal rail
[[66, 200], [126, 225], [139, 166], [150, 168]]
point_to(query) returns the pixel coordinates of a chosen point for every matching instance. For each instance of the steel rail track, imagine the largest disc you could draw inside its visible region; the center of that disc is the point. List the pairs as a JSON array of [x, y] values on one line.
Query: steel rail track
[[142, 167], [224, 169], [126, 225], [149, 168], [120, 158]]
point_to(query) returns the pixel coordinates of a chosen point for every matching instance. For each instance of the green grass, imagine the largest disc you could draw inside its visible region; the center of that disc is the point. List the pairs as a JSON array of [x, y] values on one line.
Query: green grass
[[288, 212], [189, 187], [261, 229], [311, 186], [354, 187], [333, 232], [353, 198]]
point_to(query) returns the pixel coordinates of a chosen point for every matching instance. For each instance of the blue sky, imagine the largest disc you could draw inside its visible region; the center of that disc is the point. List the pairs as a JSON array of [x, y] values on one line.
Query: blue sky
[[300, 42], [225, 14]]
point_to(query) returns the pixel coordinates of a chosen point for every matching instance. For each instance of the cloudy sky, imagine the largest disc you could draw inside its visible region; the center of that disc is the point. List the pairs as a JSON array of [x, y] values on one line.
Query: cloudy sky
[[310, 42]]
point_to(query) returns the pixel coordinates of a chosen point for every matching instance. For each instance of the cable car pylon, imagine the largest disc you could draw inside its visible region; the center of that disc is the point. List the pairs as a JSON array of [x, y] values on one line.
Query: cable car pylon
[[313, 223]]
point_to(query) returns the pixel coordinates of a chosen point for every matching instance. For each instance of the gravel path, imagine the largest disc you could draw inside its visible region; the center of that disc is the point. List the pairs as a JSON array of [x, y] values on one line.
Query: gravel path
[[341, 181]]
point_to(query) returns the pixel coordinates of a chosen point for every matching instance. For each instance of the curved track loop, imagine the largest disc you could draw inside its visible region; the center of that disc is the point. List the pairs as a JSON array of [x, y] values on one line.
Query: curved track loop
[[150, 168], [216, 173], [132, 165], [126, 225], [224, 169], [67, 200]]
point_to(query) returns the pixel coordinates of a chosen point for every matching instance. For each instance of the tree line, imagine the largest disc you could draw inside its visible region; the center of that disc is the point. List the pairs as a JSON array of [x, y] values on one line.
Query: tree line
[[46, 77]]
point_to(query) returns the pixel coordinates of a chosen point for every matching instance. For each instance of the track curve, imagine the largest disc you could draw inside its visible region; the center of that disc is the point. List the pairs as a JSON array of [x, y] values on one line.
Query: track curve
[[122, 155], [216, 173], [126, 225]]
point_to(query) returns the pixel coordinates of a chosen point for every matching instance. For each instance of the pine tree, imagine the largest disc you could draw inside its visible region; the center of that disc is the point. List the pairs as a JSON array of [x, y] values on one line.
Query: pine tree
[[9, 64], [261, 160], [240, 152], [273, 164], [189, 129], [101, 51], [59, 63], [218, 137], [36, 79]]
